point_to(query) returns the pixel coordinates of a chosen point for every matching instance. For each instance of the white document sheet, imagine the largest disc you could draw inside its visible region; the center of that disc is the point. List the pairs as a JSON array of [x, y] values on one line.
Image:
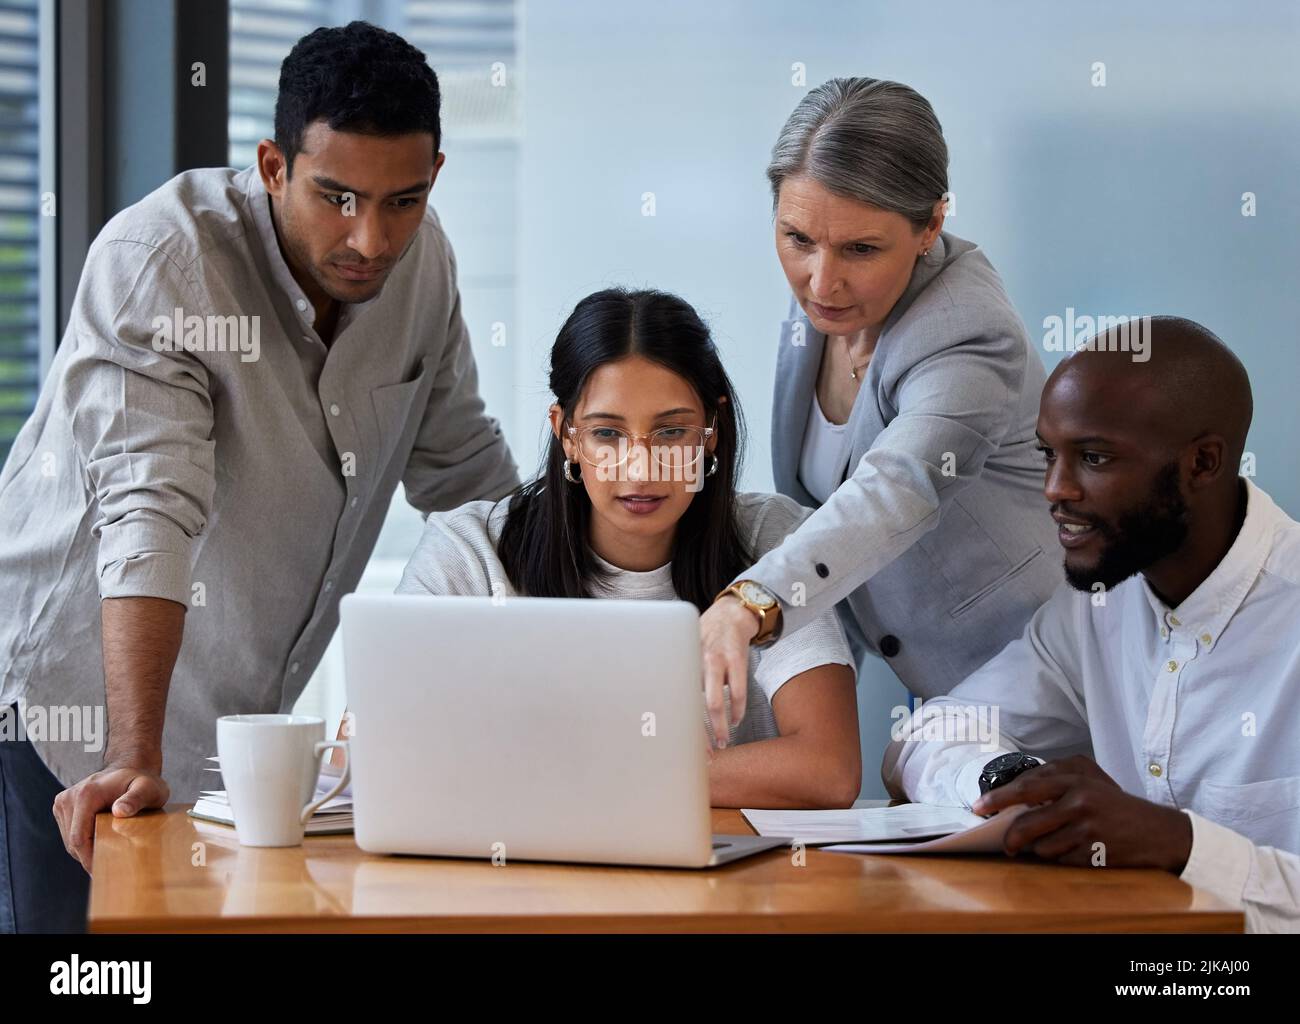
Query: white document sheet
[[907, 828]]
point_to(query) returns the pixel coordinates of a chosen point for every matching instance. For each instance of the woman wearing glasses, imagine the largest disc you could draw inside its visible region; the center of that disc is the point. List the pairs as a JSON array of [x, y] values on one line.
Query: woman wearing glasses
[[636, 498], [906, 401]]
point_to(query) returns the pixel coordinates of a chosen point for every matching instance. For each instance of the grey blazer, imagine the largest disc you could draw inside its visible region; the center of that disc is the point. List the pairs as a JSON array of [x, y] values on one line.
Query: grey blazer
[[937, 547]]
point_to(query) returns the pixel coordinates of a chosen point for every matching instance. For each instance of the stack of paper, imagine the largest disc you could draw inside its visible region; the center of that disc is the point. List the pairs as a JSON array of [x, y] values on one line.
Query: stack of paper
[[907, 828], [334, 817]]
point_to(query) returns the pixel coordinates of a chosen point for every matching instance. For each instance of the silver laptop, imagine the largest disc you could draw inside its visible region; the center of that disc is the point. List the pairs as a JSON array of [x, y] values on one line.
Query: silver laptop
[[531, 729]]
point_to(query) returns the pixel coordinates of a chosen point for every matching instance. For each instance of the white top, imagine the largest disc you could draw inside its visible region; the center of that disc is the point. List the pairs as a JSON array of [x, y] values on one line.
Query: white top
[[824, 456], [1196, 708], [456, 555]]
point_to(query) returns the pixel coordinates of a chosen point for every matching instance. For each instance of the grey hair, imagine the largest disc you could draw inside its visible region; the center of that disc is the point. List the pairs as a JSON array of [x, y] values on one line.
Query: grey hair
[[867, 139]]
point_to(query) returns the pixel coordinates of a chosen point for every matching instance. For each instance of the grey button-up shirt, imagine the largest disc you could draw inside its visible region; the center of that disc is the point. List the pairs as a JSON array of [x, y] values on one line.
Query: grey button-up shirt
[[230, 462]]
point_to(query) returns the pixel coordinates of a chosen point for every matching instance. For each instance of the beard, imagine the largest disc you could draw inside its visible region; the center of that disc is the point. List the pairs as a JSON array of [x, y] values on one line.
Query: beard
[[1153, 530], [340, 291]]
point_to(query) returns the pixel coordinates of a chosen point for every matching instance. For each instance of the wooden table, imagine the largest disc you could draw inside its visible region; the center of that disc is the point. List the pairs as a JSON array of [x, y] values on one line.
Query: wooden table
[[167, 872]]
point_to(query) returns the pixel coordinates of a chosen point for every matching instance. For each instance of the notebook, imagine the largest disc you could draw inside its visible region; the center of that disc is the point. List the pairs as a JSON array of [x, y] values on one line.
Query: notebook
[[906, 828]]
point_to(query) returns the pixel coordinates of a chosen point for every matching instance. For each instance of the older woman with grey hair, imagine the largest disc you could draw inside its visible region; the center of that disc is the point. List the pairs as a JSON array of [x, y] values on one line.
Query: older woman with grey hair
[[906, 401]]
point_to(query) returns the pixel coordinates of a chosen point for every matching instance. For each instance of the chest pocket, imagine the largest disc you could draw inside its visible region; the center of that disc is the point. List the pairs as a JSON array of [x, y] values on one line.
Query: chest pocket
[[971, 564], [399, 409]]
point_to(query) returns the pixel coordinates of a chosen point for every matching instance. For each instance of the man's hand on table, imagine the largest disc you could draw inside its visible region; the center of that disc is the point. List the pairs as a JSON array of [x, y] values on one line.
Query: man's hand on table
[[1074, 805], [125, 789]]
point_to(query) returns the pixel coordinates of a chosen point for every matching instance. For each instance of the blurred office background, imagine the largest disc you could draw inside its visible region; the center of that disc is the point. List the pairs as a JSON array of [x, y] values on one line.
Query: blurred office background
[[1122, 198]]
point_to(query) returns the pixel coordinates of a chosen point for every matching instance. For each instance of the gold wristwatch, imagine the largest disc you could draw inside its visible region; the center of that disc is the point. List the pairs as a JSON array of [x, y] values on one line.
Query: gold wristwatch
[[763, 603]]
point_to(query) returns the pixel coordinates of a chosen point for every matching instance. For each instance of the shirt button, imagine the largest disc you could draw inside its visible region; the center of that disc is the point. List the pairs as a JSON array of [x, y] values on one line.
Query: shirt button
[[294, 668], [329, 585], [822, 571], [1173, 621], [1164, 632], [1206, 638], [301, 304], [890, 645], [334, 410], [354, 502], [1154, 769], [1172, 667]]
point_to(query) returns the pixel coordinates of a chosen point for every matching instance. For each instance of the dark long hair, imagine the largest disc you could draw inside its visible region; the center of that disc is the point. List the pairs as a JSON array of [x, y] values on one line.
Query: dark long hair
[[543, 544]]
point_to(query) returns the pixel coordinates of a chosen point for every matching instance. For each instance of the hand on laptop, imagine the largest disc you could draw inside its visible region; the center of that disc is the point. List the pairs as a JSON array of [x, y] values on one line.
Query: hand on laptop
[[1079, 815]]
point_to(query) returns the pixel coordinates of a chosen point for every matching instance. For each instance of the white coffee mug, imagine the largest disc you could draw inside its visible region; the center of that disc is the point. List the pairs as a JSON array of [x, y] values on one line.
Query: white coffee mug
[[270, 764]]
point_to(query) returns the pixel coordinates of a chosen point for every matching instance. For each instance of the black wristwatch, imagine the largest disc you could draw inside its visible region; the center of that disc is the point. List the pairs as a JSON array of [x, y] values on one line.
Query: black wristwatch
[[1003, 769]]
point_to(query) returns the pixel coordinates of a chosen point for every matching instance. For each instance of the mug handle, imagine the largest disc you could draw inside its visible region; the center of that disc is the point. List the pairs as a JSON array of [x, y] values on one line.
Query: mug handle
[[321, 747]]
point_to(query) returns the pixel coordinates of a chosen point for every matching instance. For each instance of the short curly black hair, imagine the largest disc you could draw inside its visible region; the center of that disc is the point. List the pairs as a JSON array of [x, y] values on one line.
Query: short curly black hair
[[358, 78]]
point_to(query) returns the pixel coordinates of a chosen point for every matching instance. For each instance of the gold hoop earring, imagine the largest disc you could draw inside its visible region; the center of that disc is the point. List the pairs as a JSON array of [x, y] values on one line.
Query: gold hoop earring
[[713, 467]]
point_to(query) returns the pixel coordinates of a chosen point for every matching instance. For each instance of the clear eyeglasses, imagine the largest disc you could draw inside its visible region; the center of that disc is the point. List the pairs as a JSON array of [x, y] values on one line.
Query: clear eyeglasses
[[673, 447]]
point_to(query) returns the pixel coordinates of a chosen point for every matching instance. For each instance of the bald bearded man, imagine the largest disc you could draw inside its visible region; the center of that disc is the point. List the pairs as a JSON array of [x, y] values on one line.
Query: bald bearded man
[[1161, 684]]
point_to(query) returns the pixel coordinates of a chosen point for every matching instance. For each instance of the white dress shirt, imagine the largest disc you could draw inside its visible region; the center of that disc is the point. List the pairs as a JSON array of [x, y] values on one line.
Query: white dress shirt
[[1196, 708]]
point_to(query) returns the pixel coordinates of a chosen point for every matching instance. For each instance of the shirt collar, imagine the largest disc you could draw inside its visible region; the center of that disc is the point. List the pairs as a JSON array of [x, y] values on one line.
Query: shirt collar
[[630, 581], [1206, 611], [259, 202]]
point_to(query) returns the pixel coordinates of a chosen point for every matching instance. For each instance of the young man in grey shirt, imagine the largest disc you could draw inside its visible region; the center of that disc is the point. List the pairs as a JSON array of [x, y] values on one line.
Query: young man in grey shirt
[[253, 362]]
